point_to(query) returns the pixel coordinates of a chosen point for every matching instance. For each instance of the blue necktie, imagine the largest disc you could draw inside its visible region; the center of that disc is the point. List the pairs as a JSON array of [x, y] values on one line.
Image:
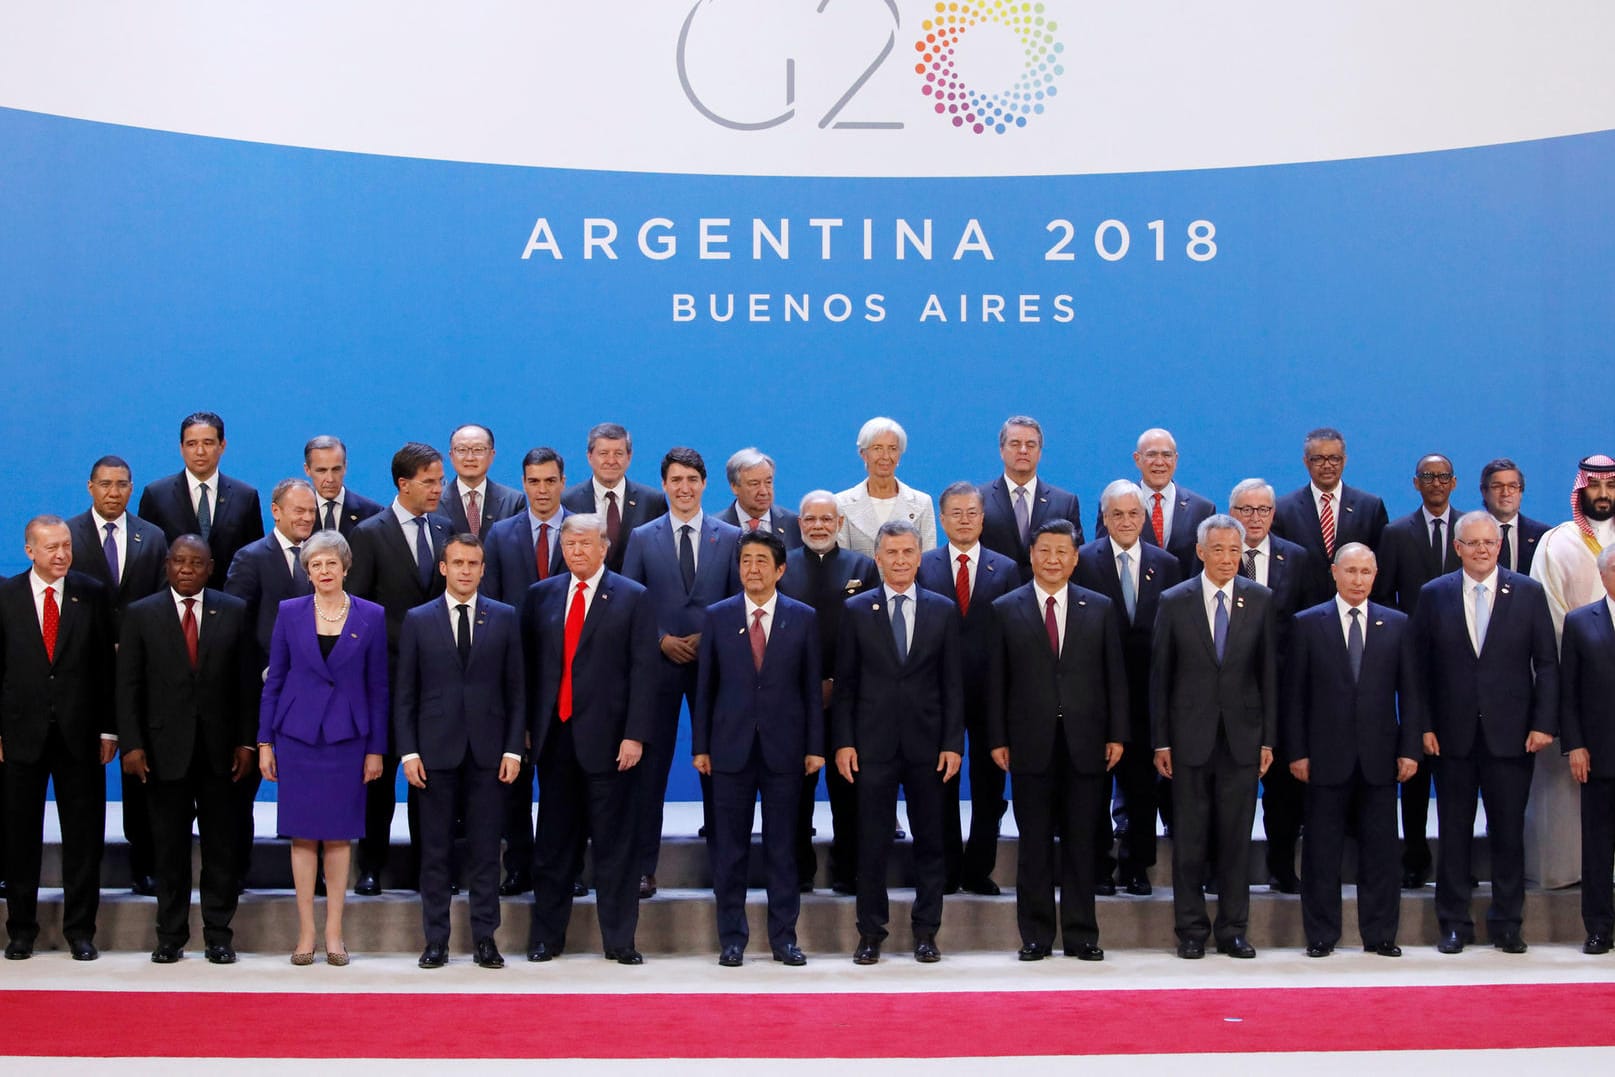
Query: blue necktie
[[1354, 644], [1483, 616], [110, 548], [1129, 599], [900, 627], [1219, 631], [423, 553]]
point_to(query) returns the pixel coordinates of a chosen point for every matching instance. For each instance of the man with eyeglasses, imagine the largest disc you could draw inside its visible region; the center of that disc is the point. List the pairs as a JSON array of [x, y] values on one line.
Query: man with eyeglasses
[[1485, 694], [1017, 502], [973, 576], [1325, 514], [474, 502], [1172, 512], [1502, 487], [1414, 550]]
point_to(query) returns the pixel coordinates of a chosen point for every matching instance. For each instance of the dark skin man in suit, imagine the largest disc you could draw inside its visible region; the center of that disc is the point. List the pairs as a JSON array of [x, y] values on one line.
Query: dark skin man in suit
[[225, 514]]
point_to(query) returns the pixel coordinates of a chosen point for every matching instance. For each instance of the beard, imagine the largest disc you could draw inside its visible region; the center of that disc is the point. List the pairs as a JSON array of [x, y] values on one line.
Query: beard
[[1599, 509]]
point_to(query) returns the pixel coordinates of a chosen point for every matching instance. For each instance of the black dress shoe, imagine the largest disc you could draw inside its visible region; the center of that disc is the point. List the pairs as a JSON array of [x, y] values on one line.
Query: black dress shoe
[[578, 889], [732, 957], [1320, 949], [435, 956], [1384, 949], [542, 951], [844, 888], [1596, 944], [1236, 947], [1105, 887], [1032, 951], [220, 954], [625, 956], [1139, 885], [900, 834], [1085, 951], [1413, 880], [1210, 886], [805, 887], [515, 883], [1284, 884], [166, 955], [368, 885], [925, 951], [868, 951], [144, 885], [1510, 943], [647, 887], [19, 949], [487, 955], [83, 949], [1191, 949], [790, 954], [984, 887], [1451, 943]]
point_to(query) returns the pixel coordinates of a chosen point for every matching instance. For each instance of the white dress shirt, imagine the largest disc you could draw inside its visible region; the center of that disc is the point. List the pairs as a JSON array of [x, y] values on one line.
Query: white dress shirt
[[1343, 608], [1334, 501], [57, 586], [195, 485], [694, 524], [768, 614], [1264, 558], [972, 562], [1134, 556], [588, 594], [120, 536], [600, 492], [1169, 502], [909, 607], [1470, 583], [1208, 595], [286, 545]]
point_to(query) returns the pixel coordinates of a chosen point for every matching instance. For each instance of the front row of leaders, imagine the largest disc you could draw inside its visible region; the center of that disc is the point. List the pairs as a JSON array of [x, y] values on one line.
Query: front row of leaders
[[571, 672]]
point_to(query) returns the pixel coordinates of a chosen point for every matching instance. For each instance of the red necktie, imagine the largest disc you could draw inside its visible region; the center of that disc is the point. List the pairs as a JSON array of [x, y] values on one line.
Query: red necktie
[[50, 622], [1053, 625], [759, 642], [961, 584], [542, 551], [751, 524], [574, 629], [1158, 523], [473, 515], [1326, 523], [188, 623]]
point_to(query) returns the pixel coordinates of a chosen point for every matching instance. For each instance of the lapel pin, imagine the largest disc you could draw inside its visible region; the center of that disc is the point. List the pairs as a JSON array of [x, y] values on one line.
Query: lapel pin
[[911, 516], [742, 632], [136, 538], [212, 613], [1505, 589], [876, 606], [1378, 623], [604, 595], [1348, 508], [1239, 602], [353, 635], [1082, 601], [632, 503], [72, 598]]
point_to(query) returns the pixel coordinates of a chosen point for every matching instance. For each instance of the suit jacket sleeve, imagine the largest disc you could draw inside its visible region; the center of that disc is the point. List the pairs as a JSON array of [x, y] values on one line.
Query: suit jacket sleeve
[[376, 694], [406, 695], [1118, 724], [997, 682], [280, 654], [1162, 656], [1270, 677], [844, 698], [131, 687], [812, 687], [1545, 662], [528, 617], [1416, 700], [1410, 738], [1570, 734], [361, 579], [515, 692], [103, 665], [706, 688], [953, 698], [1293, 727], [642, 670]]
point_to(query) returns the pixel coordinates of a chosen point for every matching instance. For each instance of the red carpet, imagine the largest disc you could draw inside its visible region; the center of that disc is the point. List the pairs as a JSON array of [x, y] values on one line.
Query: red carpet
[[248, 1025]]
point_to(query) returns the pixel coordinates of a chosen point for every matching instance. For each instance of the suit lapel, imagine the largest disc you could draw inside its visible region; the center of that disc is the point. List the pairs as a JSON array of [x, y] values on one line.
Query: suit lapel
[[1202, 627], [447, 620], [69, 616], [1502, 607]]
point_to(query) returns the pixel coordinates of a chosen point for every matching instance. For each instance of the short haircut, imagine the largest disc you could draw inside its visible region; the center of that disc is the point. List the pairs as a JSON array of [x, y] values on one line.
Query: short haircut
[[611, 432], [412, 459], [467, 426], [42, 520], [1438, 455], [1502, 463], [745, 460], [1218, 521], [322, 442], [775, 544], [326, 542], [1250, 486], [814, 496], [201, 418], [680, 454], [878, 426], [1356, 547], [1324, 433], [1054, 527], [1117, 489], [1019, 420], [894, 528], [544, 455], [190, 538], [286, 486], [957, 489], [585, 521], [111, 461], [1478, 516], [1154, 431], [464, 538]]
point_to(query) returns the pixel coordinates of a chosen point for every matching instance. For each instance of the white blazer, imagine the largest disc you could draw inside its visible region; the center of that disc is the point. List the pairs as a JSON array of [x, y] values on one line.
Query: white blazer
[[860, 521]]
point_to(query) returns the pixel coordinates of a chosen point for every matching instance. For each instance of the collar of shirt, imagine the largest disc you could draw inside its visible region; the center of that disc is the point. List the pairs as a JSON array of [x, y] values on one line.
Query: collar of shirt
[[406, 519], [1445, 518], [1470, 583], [481, 488], [912, 594], [694, 523], [39, 585], [554, 520], [286, 544], [1343, 609], [1117, 549], [1031, 490], [766, 607], [1169, 497], [1334, 498], [1208, 594], [121, 523], [194, 484], [1044, 596], [339, 500], [179, 605], [454, 603], [765, 522], [973, 554], [621, 490]]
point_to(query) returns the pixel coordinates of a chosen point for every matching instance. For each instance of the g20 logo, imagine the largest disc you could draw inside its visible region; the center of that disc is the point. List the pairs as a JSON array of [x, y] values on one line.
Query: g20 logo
[[866, 32]]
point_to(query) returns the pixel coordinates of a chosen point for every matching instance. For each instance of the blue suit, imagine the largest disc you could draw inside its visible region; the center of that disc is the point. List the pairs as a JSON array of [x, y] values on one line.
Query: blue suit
[[652, 559], [758, 726], [1587, 718], [509, 554]]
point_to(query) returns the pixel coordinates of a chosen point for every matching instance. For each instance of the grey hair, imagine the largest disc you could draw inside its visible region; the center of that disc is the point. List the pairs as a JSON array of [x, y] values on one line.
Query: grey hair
[[321, 442], [1479, 516], [326, 542], [1120, 488], [897, 527], [1151, 432], [745, 460], [817, 495], [1250, 486], [285, 486], [1356, 547], [879, 425], [1019, 420], [1218, 521], [584, 521]]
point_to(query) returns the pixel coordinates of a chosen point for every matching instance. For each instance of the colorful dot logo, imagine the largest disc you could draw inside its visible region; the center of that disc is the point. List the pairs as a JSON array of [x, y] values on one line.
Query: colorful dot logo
[[980, 111]]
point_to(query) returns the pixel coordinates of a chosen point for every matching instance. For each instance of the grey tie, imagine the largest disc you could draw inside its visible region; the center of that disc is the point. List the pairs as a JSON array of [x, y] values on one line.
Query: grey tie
[[204, 512], [900, 627], [1219, 631], [1023, 515], [1354, 644], [686, 558], [1129, 598], [330, 516]]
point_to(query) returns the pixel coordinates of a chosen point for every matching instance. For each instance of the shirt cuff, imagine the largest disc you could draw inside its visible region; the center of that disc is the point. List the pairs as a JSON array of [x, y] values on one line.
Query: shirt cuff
[[513, 755], [113, 737], [407, 758]]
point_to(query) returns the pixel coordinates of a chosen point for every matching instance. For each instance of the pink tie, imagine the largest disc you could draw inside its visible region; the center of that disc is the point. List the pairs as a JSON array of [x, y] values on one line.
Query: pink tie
[[759, 642], [473, 515]]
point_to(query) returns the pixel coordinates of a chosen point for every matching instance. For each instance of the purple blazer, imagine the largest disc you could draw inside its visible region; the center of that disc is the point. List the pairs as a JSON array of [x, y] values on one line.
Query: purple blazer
[[307, 696]]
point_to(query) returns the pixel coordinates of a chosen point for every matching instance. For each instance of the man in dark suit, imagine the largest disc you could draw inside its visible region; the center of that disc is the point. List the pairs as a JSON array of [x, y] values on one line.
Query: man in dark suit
[[187, 688], [899, 720], [622, 503], [1285, 569], [1502, 487], [975, 577], [1132, 575], [459, 720], [757, 725], [201, 500], [1347, 664], [751, 476], [325, 462], [1173, 512], [824, 575], [473, 502], [263, 575], [1214, 721], [687, 561], [589, 638], [1057, 720], [1414, 550], [520, 551], [1325, 514], [395, 558], [57, 724], [1587, 727], [126, 554], [1017, 502], [1486, 696]]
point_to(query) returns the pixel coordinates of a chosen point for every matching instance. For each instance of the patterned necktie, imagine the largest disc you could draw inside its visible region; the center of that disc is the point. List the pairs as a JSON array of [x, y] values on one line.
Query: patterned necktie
[[110, 548], [541, 551], [330, 516], [1250, 562], [569, 650], [462, 635], [759, 640], [50, 622], [1326, 524], [1023, 515], [686, 557], [1219, 629], [423, 553], [613, 519], [473, 513], [1051, 624], [1129, 595], [188, 624], [1158, 523], [204, 512], [900, 627], [1354, 644], [1483, 616], [1505, 553], [961, 585]]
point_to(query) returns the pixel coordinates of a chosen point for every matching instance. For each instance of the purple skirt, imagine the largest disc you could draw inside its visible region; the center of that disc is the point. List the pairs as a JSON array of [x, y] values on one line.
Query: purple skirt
[[322, 789]]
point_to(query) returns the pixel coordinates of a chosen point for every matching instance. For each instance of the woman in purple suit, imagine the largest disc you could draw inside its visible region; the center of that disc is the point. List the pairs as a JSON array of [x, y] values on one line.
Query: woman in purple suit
[[322, 729]]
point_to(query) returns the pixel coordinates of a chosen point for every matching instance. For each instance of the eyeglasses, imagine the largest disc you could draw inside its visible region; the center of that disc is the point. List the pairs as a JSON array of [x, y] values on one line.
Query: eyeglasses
[[963, 515], [470, 450], [1481, 544], [1333, 460], [1506, 487], [1160, 454], [1442, 477], [1259, 511]]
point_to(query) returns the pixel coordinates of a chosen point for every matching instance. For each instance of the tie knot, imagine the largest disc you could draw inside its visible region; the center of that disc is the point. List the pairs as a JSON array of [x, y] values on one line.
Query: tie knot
[[684, 529], [113, 527], [1048, 604], [189, 603], [202, 486], [1020, 491], [583, 585], [420, 522], [1480, 589], [1157, 496], [757, 617], [1124, 558], [1355, 613], [964, 560], [296, 550], [463, 607], [611, 496], [1222, 599], [1327, 498], [897, 602]]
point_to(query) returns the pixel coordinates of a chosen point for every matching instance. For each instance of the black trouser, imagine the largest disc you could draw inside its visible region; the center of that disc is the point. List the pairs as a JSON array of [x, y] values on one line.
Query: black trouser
[[1505, 784], [675, 686], [1597, 855], [516, 823], [209, 798], [243, 827], [1332, 811], [81, 805], [1065, 802], [137, 829], [381, 799], [1283, 805], [733, 796], [1137, 784], [478, 790], [1228, 788], [974, 861], [877, 785], [571, 799], [1416, 820]]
